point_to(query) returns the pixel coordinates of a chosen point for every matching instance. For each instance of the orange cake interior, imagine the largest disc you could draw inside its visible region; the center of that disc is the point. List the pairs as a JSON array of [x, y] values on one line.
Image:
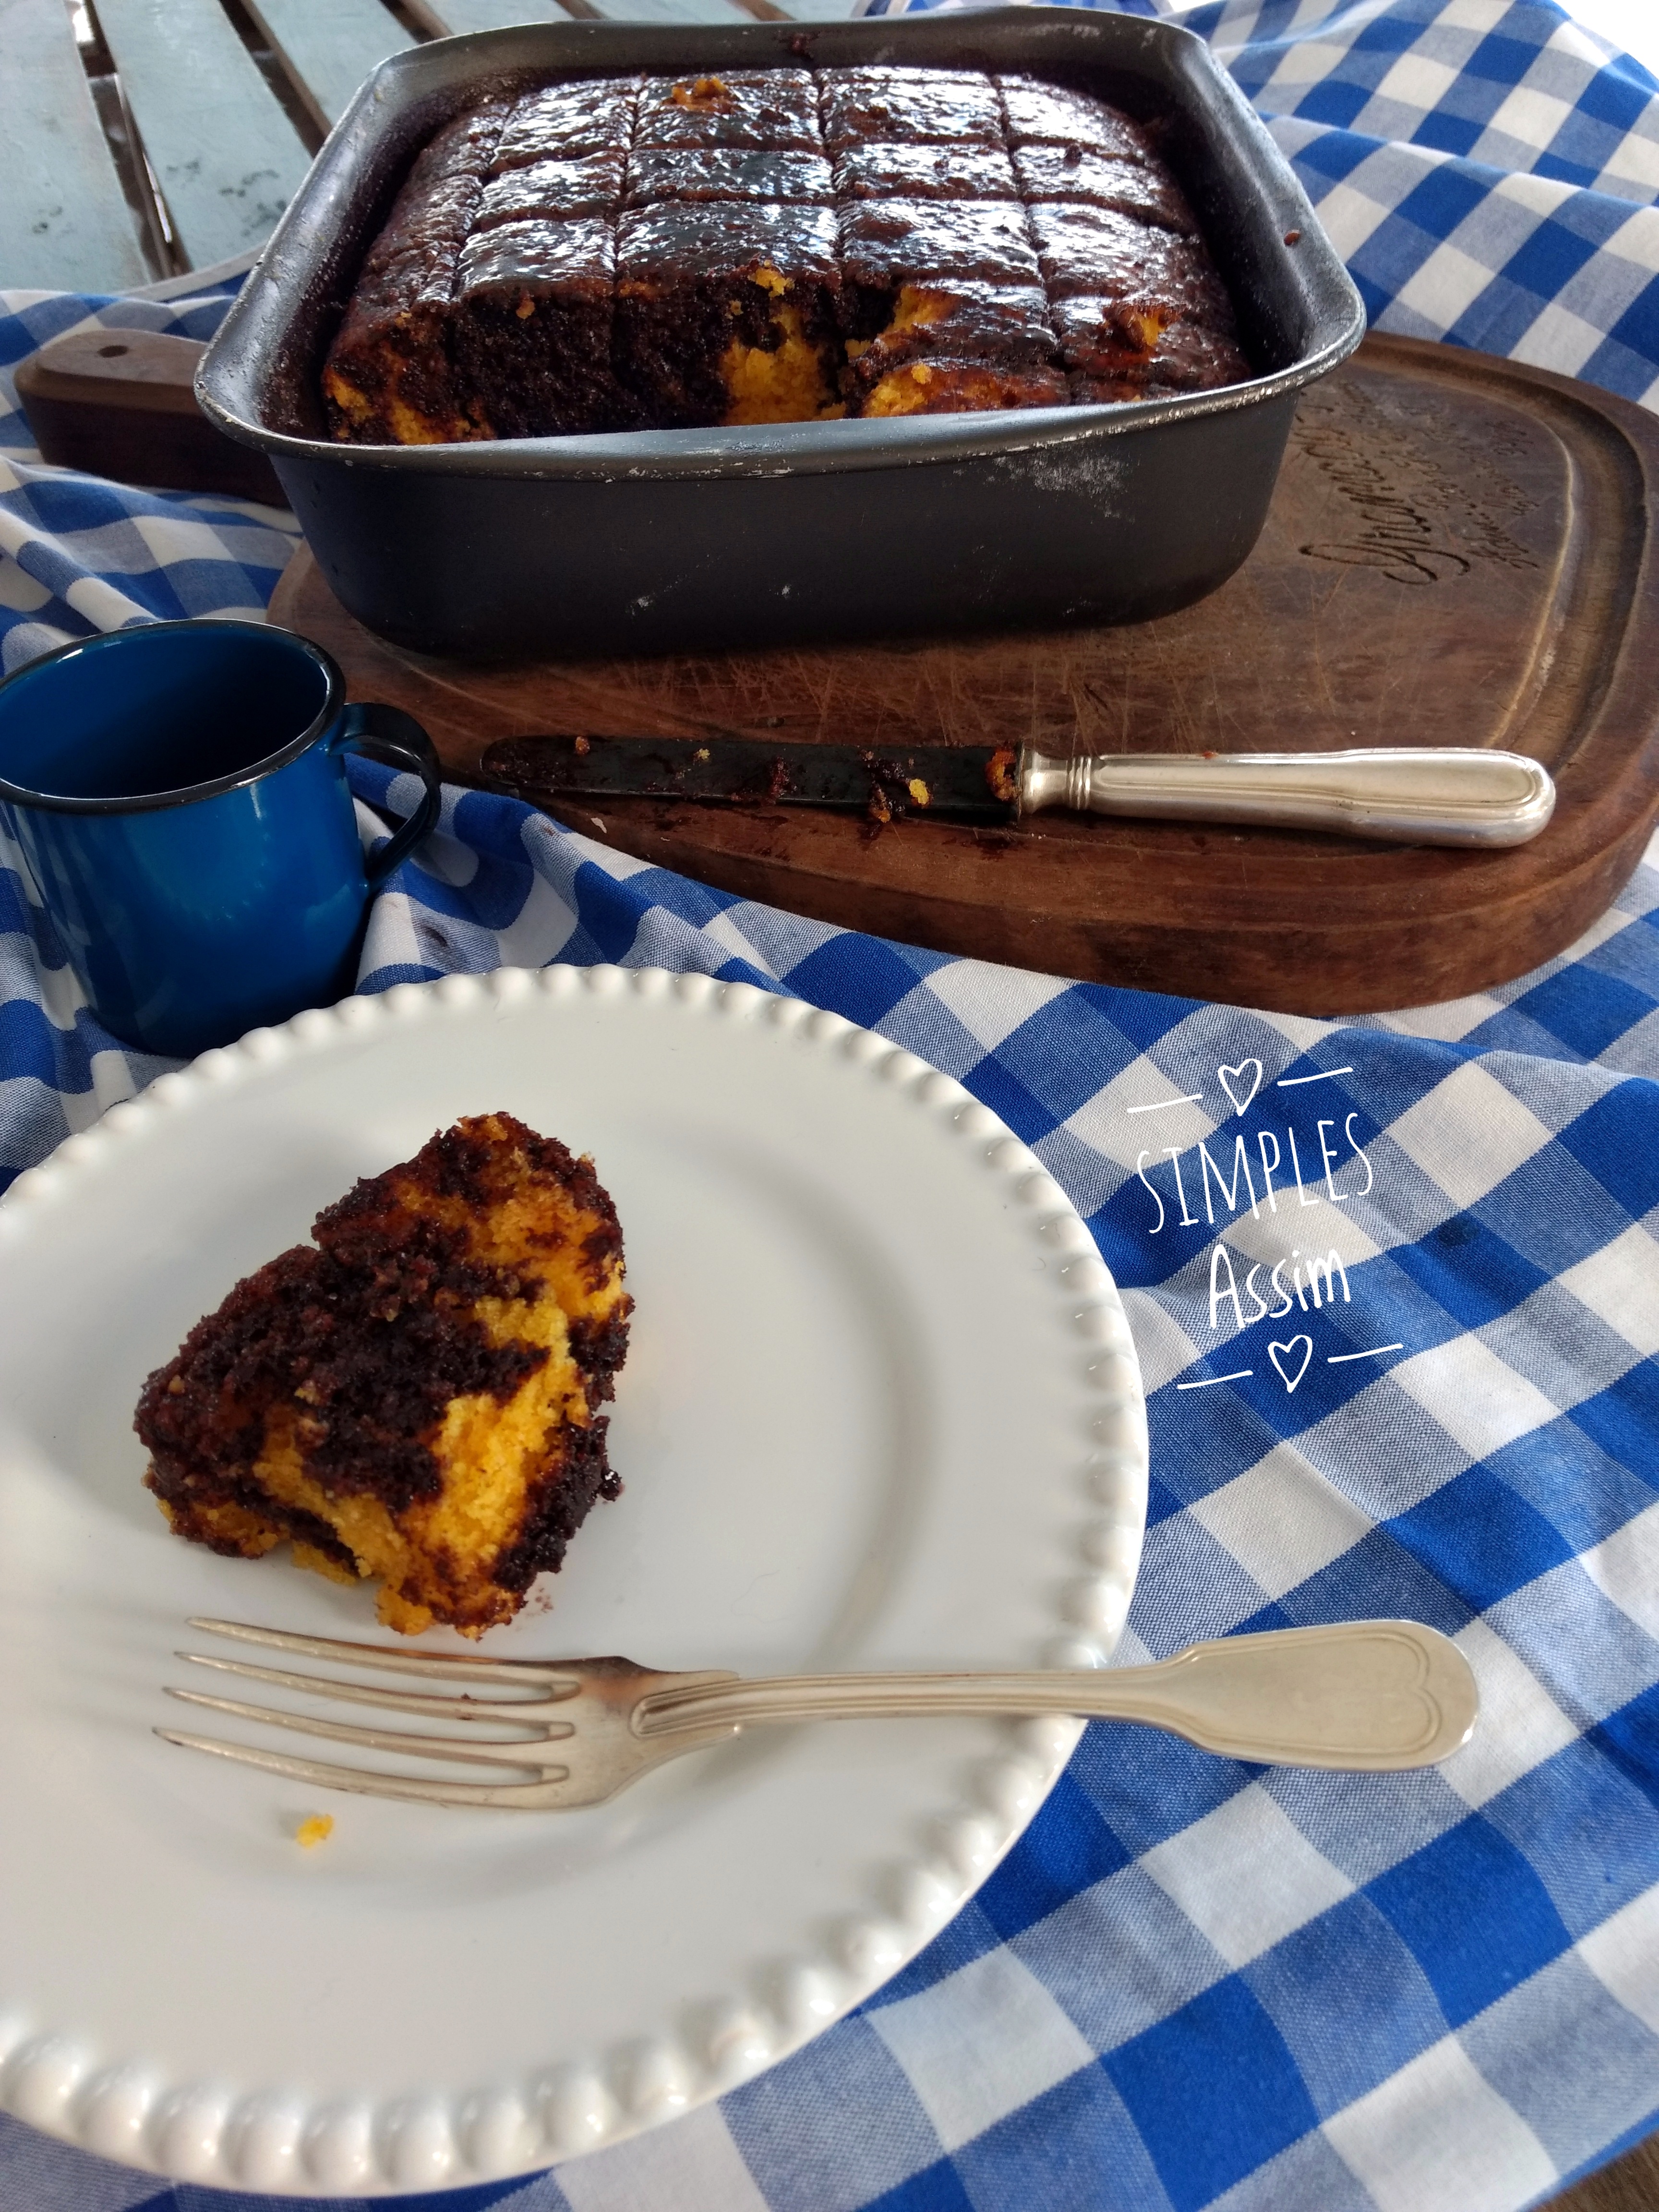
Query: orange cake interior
[[414, 1397]]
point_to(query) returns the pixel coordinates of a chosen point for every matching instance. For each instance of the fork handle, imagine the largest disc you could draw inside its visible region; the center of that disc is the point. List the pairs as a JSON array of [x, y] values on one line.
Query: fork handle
[[1374, 1695]]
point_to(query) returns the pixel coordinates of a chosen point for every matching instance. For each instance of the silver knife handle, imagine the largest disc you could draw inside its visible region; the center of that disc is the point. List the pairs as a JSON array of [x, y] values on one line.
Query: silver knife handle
[[1433, 796]]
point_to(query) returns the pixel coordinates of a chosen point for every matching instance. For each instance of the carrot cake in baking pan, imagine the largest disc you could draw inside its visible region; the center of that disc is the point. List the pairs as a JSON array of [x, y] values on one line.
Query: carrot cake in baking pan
[[772, 246]]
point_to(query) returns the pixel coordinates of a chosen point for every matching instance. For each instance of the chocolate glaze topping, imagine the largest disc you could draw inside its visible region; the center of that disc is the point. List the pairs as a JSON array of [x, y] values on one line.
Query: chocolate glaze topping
[[629, 253]]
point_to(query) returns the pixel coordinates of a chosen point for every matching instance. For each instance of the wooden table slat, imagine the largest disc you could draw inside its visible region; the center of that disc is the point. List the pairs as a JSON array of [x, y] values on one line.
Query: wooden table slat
[[328, 52], [443, 17], [671, 11], [63, 219], [227, 157], [446, 16]]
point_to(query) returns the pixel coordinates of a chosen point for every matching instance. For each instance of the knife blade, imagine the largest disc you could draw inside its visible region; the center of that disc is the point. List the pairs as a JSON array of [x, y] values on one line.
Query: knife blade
[[959, 783], [1425, 795]]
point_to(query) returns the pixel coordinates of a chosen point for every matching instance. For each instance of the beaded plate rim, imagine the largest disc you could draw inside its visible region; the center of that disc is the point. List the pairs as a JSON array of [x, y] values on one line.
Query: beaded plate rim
[[272, 2140]]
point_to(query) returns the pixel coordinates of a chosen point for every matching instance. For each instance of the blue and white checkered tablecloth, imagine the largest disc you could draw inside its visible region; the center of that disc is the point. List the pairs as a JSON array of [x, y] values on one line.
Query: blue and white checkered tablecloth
[[1193, 1985], [1489, 172]]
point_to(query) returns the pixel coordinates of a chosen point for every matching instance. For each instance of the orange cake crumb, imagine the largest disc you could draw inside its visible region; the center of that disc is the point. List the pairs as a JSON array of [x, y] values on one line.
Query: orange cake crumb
[[414, 1398]]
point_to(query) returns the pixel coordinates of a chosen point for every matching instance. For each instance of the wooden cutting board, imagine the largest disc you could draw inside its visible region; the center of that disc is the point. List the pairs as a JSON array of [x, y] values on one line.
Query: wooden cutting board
[[1460, 552]]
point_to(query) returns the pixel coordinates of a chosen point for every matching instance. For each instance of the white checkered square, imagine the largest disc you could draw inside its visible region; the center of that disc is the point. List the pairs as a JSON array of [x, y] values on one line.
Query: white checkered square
[[1521, 1725], [1350, 215], [1625, 1568], [1285, 1224], [1472, 16], [692, 2164], [1302, 1031], [1175, 1097], [1417, 81], [1246, 1875], [1633, 249], [1634, 169], [1620, 1284], [1469, 1133], [1449, 1023], [1559, 340], [992, 1002], [1529, 115], [1282, 1520], [541, 925], [1623, 1954], [1138, 1114], [1474, 1395], [1437, 2134], [19, 590], [977, 2045], [1444, 287], [1305, 63], [1162, 1346]]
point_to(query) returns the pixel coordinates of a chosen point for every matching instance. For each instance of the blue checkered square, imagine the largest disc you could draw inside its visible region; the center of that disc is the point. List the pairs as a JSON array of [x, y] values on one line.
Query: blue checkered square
[[1232, 2099], [1187, 2037]]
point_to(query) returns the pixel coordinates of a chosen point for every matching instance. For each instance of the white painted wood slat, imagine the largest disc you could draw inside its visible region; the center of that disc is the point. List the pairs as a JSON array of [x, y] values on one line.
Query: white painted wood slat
[[226, 158], [64, 221], [497, 14], [328, 50], [671, 11], [444, 16]]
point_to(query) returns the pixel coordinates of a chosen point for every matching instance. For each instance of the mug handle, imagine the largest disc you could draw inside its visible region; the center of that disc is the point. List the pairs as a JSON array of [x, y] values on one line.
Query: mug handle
[[397, 740]]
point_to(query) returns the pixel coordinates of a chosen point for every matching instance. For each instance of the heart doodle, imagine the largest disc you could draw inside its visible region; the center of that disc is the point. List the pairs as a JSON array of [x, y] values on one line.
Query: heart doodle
[[1289, 1380], [1228, 1076]]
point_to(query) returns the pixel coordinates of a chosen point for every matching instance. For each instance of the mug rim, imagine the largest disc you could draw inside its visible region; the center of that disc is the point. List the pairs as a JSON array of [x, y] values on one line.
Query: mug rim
[[17, 794]]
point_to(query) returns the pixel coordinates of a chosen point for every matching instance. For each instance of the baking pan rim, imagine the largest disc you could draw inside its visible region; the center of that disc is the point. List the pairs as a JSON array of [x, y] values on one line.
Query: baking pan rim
[[786, 448]]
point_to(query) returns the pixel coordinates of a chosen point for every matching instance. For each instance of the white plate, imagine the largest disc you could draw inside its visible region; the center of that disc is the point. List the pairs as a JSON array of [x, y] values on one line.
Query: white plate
[[881, 1410]]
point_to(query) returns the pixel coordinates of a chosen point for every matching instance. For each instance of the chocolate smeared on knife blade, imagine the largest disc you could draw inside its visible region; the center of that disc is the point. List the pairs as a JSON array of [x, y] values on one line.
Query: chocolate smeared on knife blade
[[959, 783], [1428, 795]]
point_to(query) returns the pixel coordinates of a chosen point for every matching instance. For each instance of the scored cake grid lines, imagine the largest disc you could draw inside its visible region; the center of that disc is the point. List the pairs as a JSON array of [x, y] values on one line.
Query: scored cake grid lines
[[1031, 229], [882, 273]]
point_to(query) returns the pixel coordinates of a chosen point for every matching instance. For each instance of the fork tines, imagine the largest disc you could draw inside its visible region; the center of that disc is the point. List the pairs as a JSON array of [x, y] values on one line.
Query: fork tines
[[533, 1719]]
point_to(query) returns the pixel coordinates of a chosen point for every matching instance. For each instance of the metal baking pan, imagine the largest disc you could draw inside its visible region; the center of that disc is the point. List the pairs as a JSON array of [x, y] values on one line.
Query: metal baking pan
[[651, 540]]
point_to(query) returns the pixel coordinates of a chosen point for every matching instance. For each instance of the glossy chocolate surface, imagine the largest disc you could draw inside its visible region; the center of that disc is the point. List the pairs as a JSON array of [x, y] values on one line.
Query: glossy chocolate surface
[[885, 105], [924, 173], [1039, 113], [537, 255], [726, 172], [553, 191], [777, 245], [1057, 173], [771, 110], [683, 242], [889, 241], [564, 121]]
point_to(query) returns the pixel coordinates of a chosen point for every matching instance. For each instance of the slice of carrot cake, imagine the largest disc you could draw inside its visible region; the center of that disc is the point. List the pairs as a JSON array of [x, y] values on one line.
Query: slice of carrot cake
[[413, 1398]]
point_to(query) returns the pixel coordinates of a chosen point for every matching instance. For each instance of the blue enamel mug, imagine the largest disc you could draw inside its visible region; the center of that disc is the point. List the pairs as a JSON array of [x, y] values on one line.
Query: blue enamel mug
[[179, 794]]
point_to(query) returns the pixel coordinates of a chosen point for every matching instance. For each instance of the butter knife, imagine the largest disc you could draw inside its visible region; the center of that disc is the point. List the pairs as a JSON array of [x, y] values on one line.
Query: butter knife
[[1429, 796]]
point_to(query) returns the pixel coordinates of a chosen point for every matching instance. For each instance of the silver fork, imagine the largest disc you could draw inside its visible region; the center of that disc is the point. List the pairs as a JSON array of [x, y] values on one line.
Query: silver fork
[[1370, 1695]]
